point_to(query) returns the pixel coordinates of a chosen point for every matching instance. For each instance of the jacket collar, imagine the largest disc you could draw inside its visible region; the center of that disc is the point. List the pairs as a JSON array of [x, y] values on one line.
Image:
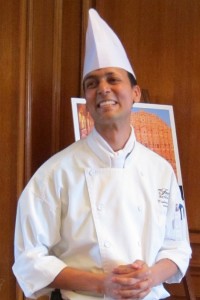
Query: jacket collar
[[105, 153]]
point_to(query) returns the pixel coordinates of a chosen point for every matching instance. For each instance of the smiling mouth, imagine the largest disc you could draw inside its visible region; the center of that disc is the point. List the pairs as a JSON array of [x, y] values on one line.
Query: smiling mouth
[[106, 103]]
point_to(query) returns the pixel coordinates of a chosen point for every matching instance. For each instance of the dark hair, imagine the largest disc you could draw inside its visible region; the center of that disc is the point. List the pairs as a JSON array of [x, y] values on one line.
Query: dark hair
[[132, 79]]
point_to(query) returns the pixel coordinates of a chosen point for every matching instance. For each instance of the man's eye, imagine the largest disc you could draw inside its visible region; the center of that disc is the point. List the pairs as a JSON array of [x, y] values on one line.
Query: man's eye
[[90, 84], [113, 80]]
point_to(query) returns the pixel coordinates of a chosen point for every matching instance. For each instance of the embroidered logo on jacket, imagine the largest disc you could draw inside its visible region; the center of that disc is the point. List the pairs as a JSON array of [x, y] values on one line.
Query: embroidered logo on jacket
[[163, 196]]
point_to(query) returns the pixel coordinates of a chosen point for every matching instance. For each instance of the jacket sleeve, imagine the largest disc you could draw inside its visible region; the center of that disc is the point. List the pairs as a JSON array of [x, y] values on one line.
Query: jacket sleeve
[[176, 246], [37, 231]]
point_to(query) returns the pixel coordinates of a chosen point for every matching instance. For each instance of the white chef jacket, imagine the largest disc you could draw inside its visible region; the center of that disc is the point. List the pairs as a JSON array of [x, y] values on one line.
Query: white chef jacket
[[90, 208]]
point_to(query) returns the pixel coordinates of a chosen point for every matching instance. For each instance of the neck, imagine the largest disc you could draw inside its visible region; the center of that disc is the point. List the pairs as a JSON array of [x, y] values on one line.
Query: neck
[[114, 136]]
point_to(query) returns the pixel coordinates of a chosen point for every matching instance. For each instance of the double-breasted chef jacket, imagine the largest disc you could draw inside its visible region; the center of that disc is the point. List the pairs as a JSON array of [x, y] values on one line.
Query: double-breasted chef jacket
[[93, 209]]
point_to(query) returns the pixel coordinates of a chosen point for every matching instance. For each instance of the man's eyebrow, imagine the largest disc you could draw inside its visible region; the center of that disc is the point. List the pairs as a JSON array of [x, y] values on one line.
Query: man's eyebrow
[[90, 77], [96, 76]]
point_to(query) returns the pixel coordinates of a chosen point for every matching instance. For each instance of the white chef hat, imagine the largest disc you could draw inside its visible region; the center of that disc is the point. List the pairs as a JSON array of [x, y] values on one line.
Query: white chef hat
[[103, 48]]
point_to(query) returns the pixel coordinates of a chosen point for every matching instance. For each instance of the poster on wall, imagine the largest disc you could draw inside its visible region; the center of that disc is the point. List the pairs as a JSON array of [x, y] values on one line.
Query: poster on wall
[[153, 124]]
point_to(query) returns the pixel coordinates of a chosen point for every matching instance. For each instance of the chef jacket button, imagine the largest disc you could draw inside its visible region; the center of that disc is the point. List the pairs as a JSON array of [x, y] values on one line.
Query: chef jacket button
[[91, 172], [107, 244], [139, 208], [141, 173], [100, 207], [139, 244]]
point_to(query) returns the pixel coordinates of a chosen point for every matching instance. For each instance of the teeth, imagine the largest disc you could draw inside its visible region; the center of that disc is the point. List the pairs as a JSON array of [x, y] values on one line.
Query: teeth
[[108, 102]]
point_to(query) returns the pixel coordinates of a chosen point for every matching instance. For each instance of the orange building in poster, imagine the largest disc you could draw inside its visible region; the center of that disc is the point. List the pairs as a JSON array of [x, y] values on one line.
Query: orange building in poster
[[85, 121], [154, 133]]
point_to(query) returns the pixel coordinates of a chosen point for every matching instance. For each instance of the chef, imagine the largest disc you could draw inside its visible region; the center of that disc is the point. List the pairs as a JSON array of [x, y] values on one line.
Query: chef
[[99, 220]]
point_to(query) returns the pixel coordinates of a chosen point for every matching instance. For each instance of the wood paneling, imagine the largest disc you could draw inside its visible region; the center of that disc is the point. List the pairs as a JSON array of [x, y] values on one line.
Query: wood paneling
[[39, 82], [10, 47], [70, 66], [42, 44]]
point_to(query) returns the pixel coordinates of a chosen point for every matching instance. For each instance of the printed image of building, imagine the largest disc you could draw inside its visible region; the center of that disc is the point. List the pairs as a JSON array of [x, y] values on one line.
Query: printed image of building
[[154, 133], [85, 120]]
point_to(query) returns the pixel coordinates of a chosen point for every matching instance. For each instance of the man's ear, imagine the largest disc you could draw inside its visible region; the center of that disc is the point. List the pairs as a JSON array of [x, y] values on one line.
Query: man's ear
[[136, 94]]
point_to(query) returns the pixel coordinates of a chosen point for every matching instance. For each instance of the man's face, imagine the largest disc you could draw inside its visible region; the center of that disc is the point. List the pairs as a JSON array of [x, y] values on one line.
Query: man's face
[[110, 96]]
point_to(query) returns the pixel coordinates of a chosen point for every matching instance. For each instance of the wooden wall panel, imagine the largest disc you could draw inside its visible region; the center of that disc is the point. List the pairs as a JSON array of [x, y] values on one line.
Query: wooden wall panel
[[70, 66], [53, 76], [39, 82], [10, 49]]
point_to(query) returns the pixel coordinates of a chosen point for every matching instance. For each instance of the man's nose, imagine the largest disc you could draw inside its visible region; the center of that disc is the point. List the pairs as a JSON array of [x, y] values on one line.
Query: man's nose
[[103, 88]]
